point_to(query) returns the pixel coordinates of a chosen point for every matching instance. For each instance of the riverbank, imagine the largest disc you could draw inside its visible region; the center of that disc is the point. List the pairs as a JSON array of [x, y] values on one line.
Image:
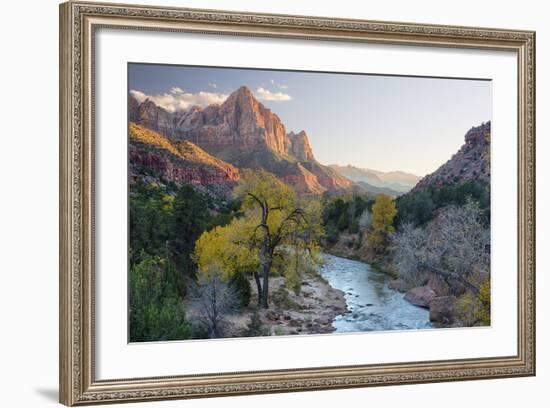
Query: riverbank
[[311, 311], [355, 248]]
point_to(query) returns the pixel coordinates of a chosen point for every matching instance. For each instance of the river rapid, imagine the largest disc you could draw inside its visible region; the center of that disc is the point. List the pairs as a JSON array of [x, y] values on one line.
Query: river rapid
[[371, 304]]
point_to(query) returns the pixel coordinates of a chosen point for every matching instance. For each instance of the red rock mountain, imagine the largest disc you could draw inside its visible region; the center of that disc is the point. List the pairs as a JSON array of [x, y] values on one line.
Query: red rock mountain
[[471, 162], [245, 133], [240, 123], [153, 156]]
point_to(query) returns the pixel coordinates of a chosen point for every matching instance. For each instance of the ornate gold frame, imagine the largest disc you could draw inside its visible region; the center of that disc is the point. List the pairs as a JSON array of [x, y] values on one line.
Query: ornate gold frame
[[78, 22]]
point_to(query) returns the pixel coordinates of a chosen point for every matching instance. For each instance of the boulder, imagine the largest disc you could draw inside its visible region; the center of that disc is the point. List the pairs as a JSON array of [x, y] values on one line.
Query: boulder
[[398, 285], [271, 315], [438, 285], [420, 296], [295, 323], [443, 309]]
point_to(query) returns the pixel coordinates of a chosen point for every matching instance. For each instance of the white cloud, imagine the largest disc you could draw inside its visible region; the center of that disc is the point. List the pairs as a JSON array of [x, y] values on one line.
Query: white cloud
[[266, 95], [176, 90], [281, 86], [212, 85], [178, 99]]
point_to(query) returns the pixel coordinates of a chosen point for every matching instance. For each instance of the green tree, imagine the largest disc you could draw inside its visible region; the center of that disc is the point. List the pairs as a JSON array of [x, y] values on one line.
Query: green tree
[[165, 221], [419, 207], [188, 219], [156, 308], [150, 211]]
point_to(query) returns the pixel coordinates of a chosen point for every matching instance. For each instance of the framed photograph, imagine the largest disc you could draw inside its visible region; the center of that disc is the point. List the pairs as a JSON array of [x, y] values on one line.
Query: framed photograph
[[256, 203]]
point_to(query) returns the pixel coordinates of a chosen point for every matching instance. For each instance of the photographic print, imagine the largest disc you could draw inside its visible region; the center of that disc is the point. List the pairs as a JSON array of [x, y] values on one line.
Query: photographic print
[[275, 203]]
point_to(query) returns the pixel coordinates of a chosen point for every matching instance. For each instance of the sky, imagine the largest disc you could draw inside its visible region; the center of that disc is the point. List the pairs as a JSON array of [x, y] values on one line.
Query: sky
[[386, 123]]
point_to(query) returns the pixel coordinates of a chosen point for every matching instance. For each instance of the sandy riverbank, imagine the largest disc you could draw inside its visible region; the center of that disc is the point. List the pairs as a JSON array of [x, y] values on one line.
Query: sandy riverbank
[[309, 312]]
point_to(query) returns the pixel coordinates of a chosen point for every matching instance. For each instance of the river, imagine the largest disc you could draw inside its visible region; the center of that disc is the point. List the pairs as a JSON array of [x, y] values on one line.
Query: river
[[371, 304]]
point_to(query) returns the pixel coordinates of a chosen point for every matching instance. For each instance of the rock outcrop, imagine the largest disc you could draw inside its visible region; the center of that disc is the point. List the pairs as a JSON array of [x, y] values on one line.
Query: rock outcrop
[[151, 116], [153, 156], [471, 162], [299, 147], [303, 181]]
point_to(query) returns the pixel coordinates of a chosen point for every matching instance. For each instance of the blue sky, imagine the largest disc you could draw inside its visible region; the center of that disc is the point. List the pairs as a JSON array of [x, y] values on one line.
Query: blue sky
[[379, 122]]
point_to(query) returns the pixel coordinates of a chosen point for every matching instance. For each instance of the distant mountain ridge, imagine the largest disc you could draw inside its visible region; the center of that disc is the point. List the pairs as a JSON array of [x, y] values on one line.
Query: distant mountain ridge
[[397, 181], [243, 132]]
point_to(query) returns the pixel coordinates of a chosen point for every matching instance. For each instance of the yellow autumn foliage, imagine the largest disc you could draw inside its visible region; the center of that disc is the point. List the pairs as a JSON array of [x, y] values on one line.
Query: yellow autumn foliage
[[275, 226], [383, 212], [225, 249]]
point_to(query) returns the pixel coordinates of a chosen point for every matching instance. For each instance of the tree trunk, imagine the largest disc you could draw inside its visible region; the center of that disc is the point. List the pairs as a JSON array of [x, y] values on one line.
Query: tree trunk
[[265, 287], [259, 287]]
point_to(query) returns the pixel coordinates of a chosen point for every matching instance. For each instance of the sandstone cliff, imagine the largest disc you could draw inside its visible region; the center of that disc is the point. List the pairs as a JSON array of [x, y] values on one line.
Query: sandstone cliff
[[299, 147], [153, 156]]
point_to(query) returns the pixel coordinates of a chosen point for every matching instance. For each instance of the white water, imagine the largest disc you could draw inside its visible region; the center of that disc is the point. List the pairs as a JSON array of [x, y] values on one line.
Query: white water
[[371, 304]]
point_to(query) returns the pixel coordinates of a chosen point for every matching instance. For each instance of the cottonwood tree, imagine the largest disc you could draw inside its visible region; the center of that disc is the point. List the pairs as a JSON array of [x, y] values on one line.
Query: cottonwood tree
[[383, 213], [276, 232]]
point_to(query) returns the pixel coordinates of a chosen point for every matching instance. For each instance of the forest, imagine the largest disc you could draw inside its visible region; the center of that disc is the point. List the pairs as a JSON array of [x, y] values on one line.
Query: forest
[[218, 257]]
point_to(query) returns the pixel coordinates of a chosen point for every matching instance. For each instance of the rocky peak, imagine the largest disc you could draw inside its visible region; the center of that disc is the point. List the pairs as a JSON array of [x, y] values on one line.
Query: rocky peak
[[151, 116], [471, 162], [185, 120], [243, 94], [299, 146], [478, 135], [240, 123]]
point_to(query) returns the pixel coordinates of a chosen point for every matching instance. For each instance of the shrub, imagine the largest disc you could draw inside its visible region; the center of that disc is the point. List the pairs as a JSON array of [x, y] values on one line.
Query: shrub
[[281, 299], [216, 300], [240, 284], [343, 221], [466, 309], [484, 303], [476, 310], [255, 327]]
